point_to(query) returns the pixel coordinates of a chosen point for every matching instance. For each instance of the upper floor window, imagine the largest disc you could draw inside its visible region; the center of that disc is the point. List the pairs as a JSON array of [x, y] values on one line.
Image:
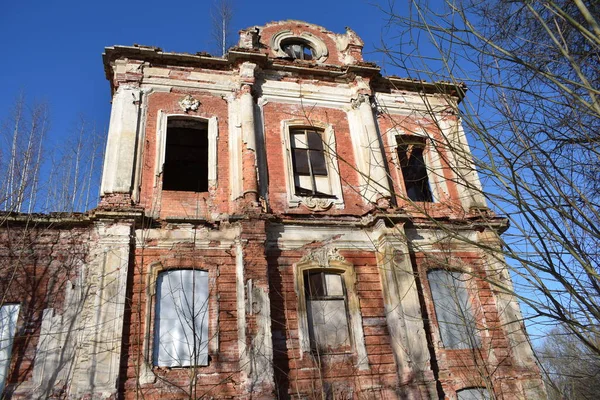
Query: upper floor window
[[327, 313], [453, 309], [309, 163], [181, 320], [186, 155], [298, 50], [414, 169]]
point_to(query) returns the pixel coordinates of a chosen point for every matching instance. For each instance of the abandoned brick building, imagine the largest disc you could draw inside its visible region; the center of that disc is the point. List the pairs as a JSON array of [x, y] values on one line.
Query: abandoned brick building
[[282, 222]]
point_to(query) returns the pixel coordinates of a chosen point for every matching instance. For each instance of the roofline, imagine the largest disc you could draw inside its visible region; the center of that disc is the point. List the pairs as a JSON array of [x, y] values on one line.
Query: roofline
[[237, 55]]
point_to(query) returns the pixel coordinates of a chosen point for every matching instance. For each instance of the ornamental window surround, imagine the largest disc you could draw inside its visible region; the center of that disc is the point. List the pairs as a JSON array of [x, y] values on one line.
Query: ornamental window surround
[[311, 166], [326, 285], [186, 144]]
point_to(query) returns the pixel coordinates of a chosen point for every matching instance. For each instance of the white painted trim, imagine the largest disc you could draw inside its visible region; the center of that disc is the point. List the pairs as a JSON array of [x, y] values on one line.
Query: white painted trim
[[333, 172], [161, 144], [437, 182]]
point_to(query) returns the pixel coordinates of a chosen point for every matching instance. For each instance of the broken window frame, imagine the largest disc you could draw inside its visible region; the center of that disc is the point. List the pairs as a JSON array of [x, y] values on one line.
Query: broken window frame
[[322, 295], [171, 343], [186, 155], [309, 161], [328, 138], [298, 49], [161, 142], [454, 311], [355, 325], [411, 149]]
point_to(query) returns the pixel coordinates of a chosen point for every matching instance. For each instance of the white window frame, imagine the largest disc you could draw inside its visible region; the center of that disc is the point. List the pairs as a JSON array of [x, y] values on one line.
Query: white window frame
[[346, 271], [331, 161], [437, 182], [161, 145], [9, 315], [162, 357]]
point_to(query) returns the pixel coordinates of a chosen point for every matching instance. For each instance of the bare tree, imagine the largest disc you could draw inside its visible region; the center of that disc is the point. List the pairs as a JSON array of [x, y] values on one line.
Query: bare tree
[[222, 14], [533, 117], [571, 368]]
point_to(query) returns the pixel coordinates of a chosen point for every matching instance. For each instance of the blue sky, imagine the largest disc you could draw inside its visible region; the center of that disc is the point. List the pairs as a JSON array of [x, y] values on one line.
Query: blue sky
[[52, 50]]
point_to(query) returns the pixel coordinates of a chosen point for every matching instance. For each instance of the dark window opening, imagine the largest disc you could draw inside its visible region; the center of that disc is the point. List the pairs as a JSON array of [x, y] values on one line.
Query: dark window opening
[[186, 156], [327, 311], [298, 50], [414, 169], [309, 163]]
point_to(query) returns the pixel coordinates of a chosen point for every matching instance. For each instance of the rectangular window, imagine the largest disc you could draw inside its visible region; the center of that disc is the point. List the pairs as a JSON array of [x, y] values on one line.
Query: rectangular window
[[9, 313], [453, 309], [414, 169], [186, 155], [181, 321], [327, 313], [309, 163]]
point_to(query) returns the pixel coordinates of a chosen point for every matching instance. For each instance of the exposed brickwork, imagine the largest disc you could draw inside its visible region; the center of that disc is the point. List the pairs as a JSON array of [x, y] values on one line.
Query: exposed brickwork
[[253, 248]]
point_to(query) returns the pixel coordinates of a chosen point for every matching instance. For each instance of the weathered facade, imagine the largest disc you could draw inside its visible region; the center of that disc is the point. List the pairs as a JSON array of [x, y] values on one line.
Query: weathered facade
[[284, 222]]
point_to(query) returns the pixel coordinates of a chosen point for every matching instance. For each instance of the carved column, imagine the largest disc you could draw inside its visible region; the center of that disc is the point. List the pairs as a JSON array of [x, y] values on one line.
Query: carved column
[[117, 175], [375, 184], [249, 160], [403, 313]]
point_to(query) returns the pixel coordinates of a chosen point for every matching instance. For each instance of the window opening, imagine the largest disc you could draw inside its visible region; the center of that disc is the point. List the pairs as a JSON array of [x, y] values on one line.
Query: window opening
[[181, 321], [186, 155], [298, 50], [309, 163], [9, 314], [326, 307], [414, 169], [453, 309], [478, 393]]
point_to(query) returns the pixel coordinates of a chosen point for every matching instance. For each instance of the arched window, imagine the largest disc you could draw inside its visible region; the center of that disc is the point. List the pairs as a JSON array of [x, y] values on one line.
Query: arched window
[[453, 309], [298, 49], [476, 393], [181, 320]]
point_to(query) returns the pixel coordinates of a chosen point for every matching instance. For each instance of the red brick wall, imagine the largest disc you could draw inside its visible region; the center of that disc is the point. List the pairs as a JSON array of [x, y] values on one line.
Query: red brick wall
[[465, 368], [221, 378], [274, 114], [38, 262], [185, 204], [296, 373]]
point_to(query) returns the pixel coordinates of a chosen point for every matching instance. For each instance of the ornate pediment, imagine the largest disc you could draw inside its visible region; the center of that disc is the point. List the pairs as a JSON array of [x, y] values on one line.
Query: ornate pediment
[[323, 256]]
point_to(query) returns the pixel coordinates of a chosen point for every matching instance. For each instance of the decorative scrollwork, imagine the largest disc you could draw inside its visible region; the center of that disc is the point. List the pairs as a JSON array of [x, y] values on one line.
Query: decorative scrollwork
[[189, 103], [317, 203], [323, 256]]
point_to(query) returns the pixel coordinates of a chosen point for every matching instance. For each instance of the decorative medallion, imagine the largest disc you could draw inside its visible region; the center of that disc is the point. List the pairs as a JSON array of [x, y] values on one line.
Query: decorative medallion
[[189, 103], [323, 256], [317, 203]]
